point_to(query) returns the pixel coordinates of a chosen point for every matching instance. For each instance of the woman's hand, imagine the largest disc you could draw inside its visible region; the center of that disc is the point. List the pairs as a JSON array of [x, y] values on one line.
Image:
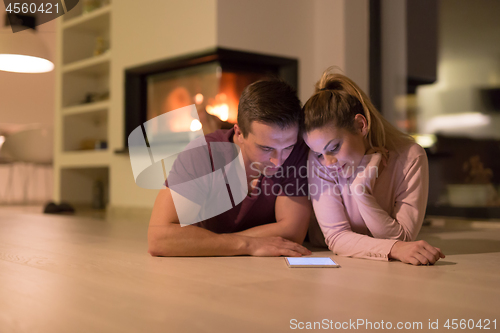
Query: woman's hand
[[415, 253], [369, 169], [382, 151], [375, 150]]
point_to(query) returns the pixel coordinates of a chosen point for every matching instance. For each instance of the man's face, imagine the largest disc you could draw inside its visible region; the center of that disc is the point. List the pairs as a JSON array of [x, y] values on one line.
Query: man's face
[[266, 147]]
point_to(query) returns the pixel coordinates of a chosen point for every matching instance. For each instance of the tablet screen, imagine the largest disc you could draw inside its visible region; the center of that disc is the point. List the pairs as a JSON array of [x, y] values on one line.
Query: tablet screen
[[293, 261]]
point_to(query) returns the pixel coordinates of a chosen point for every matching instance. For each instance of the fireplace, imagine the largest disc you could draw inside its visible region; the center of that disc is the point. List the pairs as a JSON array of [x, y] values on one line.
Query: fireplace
[[212, 80]]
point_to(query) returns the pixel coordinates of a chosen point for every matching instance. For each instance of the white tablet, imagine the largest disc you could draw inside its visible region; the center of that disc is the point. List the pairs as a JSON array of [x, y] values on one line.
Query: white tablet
[[310, 262]]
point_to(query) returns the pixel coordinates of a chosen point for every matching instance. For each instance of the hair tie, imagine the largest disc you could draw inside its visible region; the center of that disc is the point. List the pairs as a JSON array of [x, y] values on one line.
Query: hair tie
[[326, 89]]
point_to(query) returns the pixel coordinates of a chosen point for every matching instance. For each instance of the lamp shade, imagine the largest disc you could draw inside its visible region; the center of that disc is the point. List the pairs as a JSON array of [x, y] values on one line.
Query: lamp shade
[[23, 52]]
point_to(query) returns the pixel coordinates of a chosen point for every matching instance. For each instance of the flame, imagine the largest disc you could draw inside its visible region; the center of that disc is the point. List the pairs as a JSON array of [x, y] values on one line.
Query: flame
[[195, 125], [219, 110], [198, 98]]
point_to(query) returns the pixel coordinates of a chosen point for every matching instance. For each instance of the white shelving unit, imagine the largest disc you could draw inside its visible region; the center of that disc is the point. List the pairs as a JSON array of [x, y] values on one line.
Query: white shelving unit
[[95, 21], [95, 66], [85, 159], [79, 164], [85, 108]]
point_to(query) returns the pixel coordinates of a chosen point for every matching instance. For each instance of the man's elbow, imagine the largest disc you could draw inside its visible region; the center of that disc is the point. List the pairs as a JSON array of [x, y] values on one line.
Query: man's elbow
[[160, 251], [157, 244], [155, 250], [154, 253]]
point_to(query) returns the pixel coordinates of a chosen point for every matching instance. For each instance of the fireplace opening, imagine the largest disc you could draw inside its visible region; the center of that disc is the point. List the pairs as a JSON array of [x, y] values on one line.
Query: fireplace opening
[[213, 81]]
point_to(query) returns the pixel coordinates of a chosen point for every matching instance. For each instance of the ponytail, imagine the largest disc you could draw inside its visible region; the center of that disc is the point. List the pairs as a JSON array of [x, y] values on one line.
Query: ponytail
[[337, 100]]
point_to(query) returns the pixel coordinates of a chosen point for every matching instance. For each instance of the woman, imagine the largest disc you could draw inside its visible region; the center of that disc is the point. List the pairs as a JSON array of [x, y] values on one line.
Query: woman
[[369, 181]]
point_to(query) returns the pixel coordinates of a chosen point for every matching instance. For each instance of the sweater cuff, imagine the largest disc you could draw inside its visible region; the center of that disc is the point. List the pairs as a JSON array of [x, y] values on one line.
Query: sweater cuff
[[382, 251]]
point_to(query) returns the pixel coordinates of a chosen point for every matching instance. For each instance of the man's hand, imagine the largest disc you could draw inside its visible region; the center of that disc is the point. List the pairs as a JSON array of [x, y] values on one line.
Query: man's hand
[[275, 247], [415, 253]]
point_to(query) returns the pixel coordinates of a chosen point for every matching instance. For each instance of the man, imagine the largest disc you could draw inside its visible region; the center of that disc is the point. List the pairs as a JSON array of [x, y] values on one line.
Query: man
[[273, 218]]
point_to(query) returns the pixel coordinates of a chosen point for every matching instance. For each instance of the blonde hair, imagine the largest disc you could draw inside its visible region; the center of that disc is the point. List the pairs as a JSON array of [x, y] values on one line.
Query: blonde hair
[[337, 100]]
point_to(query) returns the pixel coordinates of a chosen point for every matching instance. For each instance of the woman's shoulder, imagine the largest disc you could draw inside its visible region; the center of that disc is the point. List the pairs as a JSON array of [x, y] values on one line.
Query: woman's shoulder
[[405, 155], [411, 149]]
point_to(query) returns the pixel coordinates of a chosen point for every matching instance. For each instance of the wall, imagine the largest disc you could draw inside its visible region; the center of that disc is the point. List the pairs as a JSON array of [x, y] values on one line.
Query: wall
[[356, 47], [141, 34], [320, 33], [394, 63], [469, 57], [280, 27], [28, 98]]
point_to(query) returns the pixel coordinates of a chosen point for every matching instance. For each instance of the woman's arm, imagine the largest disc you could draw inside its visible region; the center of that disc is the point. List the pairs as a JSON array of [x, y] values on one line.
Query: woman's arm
[[409, 212], [332, 219], [410, 204], [340, 238]]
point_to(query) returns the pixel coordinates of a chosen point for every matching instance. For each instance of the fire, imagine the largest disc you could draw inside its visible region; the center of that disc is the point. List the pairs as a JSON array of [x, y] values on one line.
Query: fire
[[195, 125], [219, 110], [198, 99]]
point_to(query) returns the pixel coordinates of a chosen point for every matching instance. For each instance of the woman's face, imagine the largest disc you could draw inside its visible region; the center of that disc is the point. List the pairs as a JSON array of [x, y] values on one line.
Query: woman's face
[[338, 149]]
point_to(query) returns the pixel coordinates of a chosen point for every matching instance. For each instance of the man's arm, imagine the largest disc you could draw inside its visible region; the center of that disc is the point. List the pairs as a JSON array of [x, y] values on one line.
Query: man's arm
[[166, 237], [292, 220]]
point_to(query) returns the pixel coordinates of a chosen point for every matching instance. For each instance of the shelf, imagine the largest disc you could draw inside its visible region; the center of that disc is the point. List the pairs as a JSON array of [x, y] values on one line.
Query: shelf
[[84, 129], [83, 125], [86, 108], [98, 65], [93, 22], [84, 158], [78, 186]]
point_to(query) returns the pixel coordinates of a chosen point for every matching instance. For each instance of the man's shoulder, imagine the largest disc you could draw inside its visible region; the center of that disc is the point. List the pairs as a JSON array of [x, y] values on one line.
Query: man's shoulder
[[200, 146], [221, 135], [197, 159]]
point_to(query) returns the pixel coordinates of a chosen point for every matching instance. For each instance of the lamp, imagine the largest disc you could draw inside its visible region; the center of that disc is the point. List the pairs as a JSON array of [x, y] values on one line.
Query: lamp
[[23, 52]]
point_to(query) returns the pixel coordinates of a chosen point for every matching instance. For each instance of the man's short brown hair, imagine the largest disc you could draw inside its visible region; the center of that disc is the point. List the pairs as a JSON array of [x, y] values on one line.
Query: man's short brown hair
[[270, 101]]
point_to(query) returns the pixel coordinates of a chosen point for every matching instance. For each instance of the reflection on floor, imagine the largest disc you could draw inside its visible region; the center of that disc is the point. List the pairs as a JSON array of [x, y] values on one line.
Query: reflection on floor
[[462, 236], [38, 209]]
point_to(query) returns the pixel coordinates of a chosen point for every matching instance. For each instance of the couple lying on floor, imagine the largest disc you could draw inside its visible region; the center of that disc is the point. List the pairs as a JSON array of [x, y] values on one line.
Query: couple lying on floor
[[367, 181]]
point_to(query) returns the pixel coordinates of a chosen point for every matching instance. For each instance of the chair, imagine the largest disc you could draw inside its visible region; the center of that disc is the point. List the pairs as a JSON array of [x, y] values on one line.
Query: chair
[[31, 147]]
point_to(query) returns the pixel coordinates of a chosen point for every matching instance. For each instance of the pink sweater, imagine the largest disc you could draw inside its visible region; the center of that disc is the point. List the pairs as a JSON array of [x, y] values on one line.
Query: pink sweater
[[366, 223]]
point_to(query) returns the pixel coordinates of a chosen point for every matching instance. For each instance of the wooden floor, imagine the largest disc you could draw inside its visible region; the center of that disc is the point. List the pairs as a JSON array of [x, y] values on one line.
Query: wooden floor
[[68, 274]]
